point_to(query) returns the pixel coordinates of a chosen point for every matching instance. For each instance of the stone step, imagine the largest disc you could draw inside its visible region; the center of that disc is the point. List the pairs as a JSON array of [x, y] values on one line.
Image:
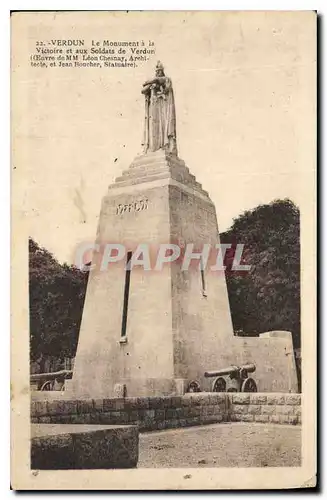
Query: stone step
[[157, 168], [139, 180], [157, 164], [130, 174], [174, 173], [80, 446], [151, 158], [183, 177], [197, 187]]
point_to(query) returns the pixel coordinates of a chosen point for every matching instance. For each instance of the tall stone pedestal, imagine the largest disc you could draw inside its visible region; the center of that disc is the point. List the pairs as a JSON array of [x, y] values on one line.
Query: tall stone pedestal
[[174, 327], [153, 332]]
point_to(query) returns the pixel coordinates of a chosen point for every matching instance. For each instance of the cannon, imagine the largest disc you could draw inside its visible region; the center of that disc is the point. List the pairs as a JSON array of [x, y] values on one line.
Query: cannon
[[52, 381], [233, 379]]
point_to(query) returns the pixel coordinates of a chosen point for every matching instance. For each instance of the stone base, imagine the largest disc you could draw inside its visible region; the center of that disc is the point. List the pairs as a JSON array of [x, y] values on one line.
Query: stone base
[[130, 387], [172, 412], [171, 324], [157, 165], [75, 446]]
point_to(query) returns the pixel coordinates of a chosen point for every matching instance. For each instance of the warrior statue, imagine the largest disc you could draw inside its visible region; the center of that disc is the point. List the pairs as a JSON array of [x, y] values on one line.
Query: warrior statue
[[160, 115]]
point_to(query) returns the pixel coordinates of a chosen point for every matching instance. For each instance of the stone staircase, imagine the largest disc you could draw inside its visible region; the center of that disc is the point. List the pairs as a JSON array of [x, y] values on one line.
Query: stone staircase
[[157, 165]]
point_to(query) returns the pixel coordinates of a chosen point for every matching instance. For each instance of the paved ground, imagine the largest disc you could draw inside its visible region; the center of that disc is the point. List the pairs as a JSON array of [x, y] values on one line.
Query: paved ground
[[222, 445]]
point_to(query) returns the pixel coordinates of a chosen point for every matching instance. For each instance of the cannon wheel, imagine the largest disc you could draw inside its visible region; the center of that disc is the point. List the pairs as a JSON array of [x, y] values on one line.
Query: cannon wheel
[[194, 386], [219, 385], [58, 385], [47, 386], [249, 385]]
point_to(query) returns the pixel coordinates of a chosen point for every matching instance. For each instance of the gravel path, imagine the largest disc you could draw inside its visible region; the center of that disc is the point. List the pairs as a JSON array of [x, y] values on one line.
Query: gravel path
[[222, 445]]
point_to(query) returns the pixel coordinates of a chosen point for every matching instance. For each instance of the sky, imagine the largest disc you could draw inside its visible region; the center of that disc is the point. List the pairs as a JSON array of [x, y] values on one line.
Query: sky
[[244, 95]]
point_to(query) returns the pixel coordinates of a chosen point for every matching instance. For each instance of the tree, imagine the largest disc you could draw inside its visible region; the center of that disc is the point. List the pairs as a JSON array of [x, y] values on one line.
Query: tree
[[56, 295], [268, 296]]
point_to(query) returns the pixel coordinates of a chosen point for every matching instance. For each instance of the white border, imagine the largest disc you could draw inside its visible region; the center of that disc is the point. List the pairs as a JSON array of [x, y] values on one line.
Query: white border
[[5, 148]]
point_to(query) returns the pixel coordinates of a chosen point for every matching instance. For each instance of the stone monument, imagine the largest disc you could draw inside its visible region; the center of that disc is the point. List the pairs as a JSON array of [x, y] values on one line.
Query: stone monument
[[147, 333]]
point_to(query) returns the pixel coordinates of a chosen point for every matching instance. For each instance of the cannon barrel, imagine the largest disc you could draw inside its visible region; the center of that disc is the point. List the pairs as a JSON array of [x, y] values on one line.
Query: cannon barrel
[[36, 377], [250, 368]]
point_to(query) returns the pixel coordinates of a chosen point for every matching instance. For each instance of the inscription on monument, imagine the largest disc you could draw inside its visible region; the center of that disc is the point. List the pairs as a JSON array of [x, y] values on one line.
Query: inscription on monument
[[135, 206]]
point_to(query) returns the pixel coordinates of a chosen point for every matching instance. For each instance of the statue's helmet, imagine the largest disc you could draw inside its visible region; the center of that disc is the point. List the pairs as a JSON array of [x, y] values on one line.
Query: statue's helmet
[[160, 67]]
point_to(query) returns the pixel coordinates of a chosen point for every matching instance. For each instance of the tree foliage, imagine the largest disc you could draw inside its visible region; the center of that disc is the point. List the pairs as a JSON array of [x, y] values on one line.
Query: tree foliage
[[268, 296], [57, 293]]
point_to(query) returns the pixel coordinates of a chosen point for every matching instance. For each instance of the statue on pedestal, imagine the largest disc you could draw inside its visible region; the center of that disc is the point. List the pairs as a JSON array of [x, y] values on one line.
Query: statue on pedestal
[[160, 114]]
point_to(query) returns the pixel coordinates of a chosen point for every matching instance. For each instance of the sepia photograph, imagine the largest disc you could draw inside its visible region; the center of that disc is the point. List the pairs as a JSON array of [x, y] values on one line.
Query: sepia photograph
[[163, 250]]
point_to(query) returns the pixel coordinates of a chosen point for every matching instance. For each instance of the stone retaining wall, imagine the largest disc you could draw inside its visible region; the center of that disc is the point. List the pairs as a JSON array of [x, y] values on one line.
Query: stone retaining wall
[[157, 413], [63, 446], [261, 407]]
